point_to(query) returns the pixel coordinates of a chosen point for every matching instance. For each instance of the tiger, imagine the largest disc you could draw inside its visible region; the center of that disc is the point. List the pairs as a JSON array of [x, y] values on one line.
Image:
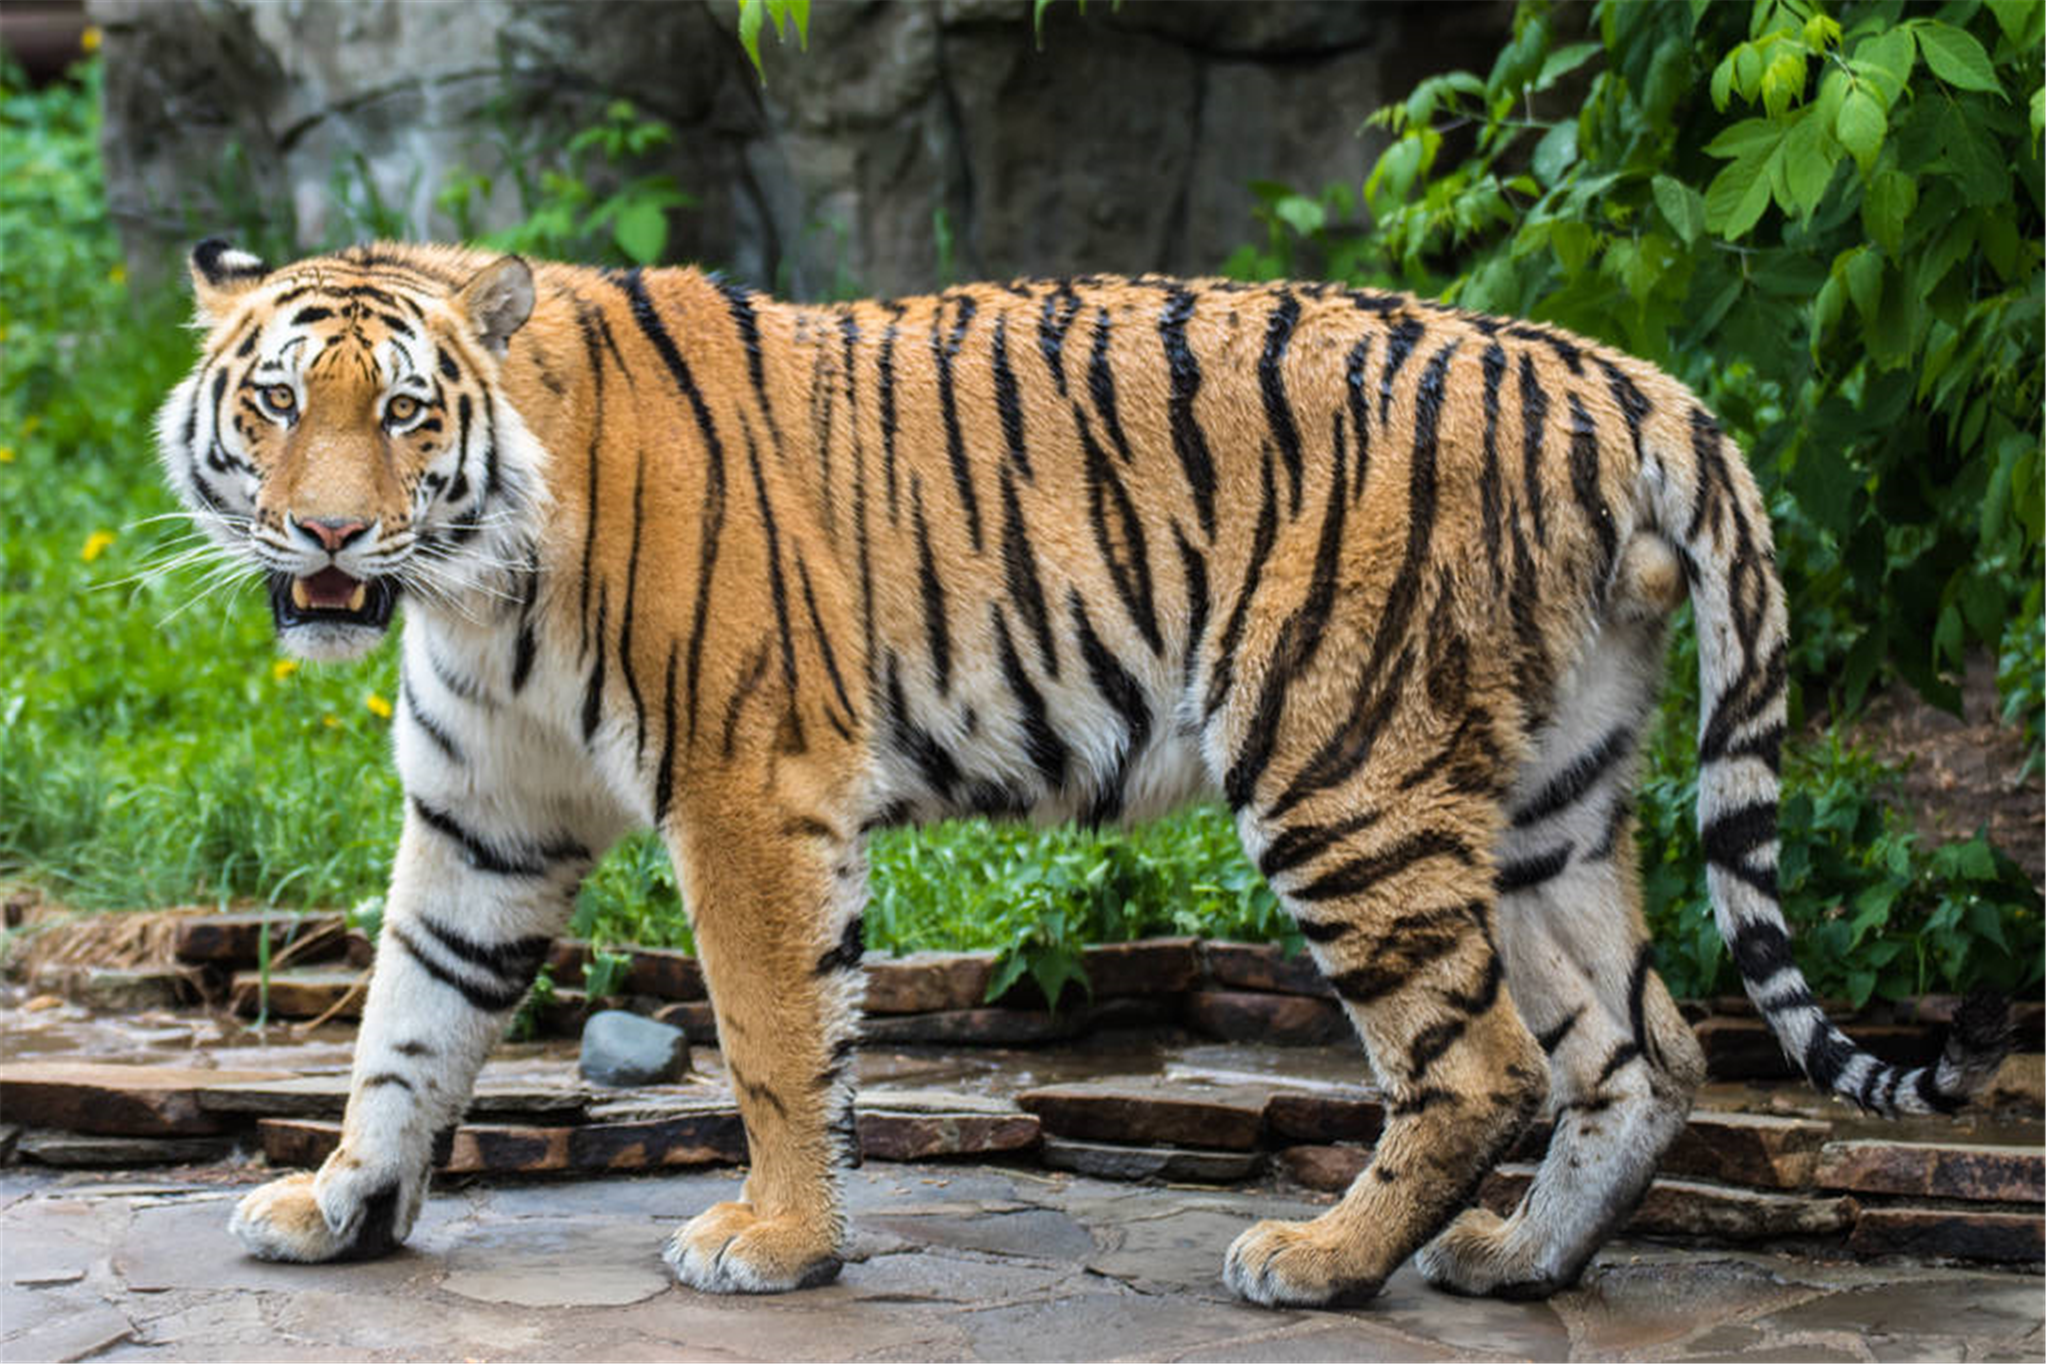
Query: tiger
[[1390, 578]]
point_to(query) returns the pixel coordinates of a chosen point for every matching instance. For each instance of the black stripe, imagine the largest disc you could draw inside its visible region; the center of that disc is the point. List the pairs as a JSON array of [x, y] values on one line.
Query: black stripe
[[776, 584], [1528, 872], [500, 857], [1223, 675], [824, 642], [937, 631], [594, 352], [1061, 306], [943, 349], [383, 1078], [1271, 379], [1189, 442], [735, 701], [1047, 751], [1622, 1054], [1761, 949], [1552, 1037], [514, 962], [1303, 842], [1637, 999], [845, 954], [1567, 352], [1119, 535], [1101, 386], [1534, 412], [1124, 693], [1732, 834], [625, 669], [1019, 575], [1489, 492], [885, 363], [739, 302], [938, 768], [1359, 874], [1194, 569], [486, 998], [1634, 404], [1008, 399], [1398, 346], [664, 780], [427, 724], [593, 690], [1576, 781], [1826, 1054], [1584, 471], [1360, 409]]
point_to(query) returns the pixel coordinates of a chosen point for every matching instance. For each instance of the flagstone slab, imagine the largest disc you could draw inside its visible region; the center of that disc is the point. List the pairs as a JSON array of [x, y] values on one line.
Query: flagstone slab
[[116, 1100], [1330, 1169], [1263, 966], [1113, 1160], [1147, 1111], [886, 1135], [52, 1147], [1322, 1118], [1979, 1174], [928, 982], [704, 1138], [1151, 966], [326, 1096], [1685, 1207]]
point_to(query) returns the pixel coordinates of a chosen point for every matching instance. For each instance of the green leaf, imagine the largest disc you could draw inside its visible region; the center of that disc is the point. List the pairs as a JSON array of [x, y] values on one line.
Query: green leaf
[[1860, 127], [1682, 207], [1984, 173], [1807, 165], [1750, 134], [2039, 111], [2014, 17], [1737, 195], [1886, 206], [1885, 62], [1304, 215], [753, 13], [1555, 153], [1955, 57], [1563, 61], [641, 231], [1573, 242]]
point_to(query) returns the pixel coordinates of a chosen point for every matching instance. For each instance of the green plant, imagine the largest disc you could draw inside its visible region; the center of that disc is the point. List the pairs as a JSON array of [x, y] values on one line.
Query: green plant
[[757, 14], [565, 214]]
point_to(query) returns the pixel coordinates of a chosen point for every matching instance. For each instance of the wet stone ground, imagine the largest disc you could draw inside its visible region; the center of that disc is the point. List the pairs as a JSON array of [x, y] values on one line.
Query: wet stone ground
[[948, 1262]]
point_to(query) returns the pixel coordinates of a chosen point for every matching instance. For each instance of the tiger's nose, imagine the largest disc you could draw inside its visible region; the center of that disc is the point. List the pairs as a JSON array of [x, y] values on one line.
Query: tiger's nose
[[332, 533]]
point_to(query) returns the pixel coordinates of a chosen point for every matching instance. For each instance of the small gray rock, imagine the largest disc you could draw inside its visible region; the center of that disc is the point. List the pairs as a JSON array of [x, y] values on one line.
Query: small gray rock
[[620, 1049]]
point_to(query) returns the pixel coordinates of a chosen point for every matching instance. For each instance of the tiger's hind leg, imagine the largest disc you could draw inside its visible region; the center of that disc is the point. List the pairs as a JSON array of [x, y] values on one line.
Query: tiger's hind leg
[[1623, 1064], [1392, 888]]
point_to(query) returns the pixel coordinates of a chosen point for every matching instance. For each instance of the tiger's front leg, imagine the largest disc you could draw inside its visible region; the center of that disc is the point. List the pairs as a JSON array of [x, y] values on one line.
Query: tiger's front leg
[[776, 888], [486, 873]]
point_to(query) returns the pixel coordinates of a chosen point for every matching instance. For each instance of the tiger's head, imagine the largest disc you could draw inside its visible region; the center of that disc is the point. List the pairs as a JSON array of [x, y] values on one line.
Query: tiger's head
[[343, 433]]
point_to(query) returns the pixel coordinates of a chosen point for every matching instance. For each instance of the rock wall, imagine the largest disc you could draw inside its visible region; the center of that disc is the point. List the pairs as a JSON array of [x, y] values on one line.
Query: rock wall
[[1126, 143]]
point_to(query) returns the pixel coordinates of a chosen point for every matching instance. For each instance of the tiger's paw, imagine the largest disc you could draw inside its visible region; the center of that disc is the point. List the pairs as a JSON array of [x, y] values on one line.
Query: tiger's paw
[[1297, 1264], [307, 1218], [1477, 1256], [727, 1248]]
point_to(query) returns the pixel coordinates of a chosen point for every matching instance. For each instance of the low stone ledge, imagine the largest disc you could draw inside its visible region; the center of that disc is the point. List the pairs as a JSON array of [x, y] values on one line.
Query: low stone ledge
[[53, 1147], [1748, 1148], [1104, 1160], [1262, 966], [1976, 1174], [235, 939], [1685, 1207], [1330, 1169], [1323, 1118], [1150, 1112], [325, 1096], [1963, 1233], [312, 993], [928, 982], [1252, 1016], [887, 1134], [665, 974], [1148, 966], [115, 1100], [713, 1137], [1745, 1049]]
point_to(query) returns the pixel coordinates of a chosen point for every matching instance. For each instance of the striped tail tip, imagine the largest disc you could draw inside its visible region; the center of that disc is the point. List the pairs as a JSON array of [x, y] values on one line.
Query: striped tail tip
[[1977, 1041]]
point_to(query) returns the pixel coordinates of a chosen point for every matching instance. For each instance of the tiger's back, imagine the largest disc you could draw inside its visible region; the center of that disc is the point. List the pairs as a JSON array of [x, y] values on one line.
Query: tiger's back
[[1389, 578]]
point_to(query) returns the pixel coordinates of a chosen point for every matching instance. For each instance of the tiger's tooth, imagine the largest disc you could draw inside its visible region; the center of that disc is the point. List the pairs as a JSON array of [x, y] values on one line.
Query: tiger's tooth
[[300, 598], [358, 596]]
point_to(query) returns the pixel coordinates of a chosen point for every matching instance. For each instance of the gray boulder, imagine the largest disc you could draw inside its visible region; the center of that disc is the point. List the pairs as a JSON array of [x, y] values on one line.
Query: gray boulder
[[623, 1049]]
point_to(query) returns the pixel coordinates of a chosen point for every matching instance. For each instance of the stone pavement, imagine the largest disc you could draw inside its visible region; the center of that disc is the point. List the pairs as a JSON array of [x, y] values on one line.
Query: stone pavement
[[948, 1262]]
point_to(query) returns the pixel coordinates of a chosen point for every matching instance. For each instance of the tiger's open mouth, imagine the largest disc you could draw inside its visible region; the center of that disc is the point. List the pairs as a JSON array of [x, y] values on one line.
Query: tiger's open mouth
[[331, 597]]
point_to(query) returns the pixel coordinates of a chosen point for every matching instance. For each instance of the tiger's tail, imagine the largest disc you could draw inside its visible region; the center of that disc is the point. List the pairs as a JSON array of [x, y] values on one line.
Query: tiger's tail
[[1706, 503]]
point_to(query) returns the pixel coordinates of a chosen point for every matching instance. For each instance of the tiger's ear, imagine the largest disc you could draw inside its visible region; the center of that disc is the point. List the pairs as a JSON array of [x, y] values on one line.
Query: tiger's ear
[[220, 273], [497, 301]]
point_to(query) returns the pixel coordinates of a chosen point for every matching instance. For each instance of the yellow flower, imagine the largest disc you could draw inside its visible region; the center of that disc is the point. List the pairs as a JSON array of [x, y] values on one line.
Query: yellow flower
[[377, 706], [118, 275], [6, 454], [330, 722], [95, 545], [89, 40], [283, 668]]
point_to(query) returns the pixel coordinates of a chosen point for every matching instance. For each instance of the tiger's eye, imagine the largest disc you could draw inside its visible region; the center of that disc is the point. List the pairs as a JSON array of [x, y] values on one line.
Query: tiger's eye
[[280, 398], [401, 409]]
